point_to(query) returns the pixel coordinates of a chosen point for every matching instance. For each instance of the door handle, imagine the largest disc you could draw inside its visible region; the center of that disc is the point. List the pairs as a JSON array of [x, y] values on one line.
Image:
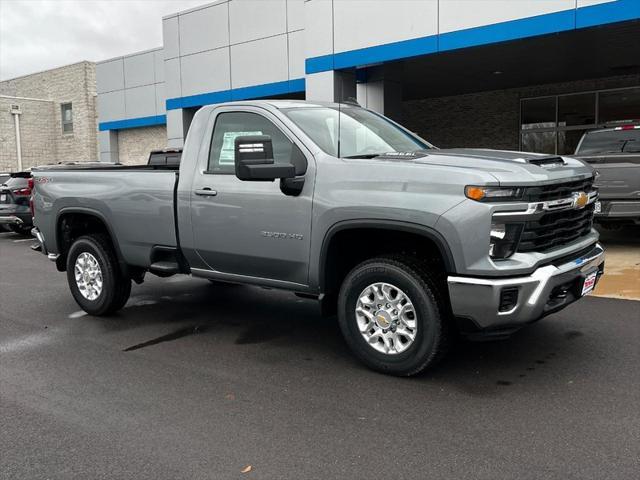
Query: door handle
[[206, 192]]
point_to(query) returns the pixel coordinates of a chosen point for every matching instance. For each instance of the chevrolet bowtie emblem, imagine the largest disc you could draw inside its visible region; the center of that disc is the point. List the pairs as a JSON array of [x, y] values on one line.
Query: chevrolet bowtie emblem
[[580, 200]]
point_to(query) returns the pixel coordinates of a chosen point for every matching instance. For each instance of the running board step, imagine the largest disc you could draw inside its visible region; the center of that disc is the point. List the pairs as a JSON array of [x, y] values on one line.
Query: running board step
[[165, 267]]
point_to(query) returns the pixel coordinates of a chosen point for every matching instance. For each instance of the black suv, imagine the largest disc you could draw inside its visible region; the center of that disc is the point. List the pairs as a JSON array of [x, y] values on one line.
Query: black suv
[[15, 203]]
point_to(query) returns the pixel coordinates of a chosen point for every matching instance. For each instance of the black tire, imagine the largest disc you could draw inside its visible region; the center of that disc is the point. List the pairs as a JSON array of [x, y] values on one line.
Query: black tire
[[116, 287], [21, 230], [412, 276]]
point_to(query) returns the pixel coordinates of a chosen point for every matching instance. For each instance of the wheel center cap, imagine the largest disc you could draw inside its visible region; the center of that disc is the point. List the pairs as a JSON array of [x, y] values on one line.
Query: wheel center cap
[[383, 319]]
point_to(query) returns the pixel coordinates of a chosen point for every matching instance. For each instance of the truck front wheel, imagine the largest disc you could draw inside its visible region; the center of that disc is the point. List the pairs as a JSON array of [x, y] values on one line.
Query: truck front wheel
[[94, 275], [393, 316]]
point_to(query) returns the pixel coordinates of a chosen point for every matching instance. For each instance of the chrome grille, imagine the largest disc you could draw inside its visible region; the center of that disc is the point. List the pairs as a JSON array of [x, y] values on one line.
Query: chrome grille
[[557, 191], [554, 229]]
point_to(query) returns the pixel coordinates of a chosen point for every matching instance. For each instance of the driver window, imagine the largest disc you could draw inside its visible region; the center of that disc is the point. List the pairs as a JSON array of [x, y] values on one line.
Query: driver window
[[230, 125]]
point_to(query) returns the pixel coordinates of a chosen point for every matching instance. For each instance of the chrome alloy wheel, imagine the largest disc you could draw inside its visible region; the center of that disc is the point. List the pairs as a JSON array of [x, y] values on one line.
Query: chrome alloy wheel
[[88, 276], [386, 318]]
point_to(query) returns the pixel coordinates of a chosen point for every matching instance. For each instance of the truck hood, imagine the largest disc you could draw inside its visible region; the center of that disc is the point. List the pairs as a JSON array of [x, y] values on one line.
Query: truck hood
[[511, 167]]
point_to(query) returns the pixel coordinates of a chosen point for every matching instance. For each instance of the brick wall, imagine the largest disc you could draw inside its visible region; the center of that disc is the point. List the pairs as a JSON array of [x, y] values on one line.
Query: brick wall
[[135, 144], [73, 83], [37, 132], [488, 119]]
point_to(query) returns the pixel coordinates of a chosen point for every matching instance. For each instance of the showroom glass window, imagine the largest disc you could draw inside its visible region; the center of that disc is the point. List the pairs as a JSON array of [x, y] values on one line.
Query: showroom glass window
[[555, 124], [66, 111]]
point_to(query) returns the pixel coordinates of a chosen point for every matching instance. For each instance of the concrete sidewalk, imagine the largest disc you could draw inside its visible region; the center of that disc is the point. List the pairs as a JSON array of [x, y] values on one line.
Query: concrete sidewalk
[[622, 267]]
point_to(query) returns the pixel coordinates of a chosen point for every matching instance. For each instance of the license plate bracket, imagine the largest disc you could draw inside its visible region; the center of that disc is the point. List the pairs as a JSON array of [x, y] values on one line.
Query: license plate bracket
[[589, 282], [597, 208]]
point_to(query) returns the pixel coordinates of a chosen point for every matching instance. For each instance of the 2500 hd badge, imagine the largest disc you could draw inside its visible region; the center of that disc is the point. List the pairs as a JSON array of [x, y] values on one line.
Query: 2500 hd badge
[[293, 236]]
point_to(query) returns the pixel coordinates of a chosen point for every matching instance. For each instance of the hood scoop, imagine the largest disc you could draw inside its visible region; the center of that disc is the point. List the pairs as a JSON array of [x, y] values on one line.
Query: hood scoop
[[547, 162]]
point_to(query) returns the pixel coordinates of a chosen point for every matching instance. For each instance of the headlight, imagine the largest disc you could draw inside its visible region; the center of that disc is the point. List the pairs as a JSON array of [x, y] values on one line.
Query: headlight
[[492, 194], [504, 238]]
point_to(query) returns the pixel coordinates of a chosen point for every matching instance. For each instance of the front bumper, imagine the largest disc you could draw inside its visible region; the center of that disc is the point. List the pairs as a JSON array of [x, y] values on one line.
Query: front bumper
[[476, 302]]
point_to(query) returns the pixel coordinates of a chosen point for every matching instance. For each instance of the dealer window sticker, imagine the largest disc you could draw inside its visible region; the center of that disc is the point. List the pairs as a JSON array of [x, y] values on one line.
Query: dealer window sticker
[[227, 152]]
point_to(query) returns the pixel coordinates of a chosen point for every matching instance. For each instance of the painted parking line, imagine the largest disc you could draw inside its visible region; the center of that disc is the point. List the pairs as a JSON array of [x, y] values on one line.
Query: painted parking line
[[25, 240]]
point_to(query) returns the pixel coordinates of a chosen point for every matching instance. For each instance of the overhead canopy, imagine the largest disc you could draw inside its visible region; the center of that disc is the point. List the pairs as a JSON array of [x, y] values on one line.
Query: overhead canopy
[[605, 51]]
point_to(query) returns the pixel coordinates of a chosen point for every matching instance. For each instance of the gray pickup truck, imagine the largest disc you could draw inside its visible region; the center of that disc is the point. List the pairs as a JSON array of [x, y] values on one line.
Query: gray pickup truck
[[615, 154], [408, 243]]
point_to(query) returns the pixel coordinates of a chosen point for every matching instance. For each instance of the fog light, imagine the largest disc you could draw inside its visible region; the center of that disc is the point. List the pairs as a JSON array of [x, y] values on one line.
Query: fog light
[[503, 239], [508, 299]]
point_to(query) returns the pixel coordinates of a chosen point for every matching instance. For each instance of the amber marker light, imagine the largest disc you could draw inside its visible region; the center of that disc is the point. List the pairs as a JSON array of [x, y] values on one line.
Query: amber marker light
[[474, 193]]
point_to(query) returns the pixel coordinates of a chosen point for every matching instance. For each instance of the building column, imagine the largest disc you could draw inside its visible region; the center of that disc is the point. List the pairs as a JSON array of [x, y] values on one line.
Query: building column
[[108, 144], [331, 86], [175, 128], [380, 89]]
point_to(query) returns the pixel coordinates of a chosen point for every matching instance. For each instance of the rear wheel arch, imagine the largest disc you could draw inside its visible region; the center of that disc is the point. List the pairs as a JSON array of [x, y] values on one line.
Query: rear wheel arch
[[73, 223]]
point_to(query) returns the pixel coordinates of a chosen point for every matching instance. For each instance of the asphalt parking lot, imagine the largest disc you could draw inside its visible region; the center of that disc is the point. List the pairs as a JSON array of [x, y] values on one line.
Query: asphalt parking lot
[[194, 381]]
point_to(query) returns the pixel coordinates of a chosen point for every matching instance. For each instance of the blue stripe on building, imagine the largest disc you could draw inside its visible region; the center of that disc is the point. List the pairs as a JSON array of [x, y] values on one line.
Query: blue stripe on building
[[582, 17], [244, 93], [133, 123]]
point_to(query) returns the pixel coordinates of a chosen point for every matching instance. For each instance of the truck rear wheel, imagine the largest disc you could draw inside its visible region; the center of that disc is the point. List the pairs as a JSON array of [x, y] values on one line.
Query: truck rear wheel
[[393, 316], [94, 275]]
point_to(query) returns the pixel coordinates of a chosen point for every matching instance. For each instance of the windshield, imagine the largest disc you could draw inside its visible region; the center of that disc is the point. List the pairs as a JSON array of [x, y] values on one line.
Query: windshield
[[610, 141], [354, 133]]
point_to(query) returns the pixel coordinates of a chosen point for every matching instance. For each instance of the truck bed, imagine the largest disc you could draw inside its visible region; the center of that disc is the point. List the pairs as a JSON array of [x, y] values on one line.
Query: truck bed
[[136, 202]]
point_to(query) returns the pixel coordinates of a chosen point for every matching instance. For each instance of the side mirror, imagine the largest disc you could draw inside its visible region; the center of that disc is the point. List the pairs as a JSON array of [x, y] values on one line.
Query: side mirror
[[254, 160]]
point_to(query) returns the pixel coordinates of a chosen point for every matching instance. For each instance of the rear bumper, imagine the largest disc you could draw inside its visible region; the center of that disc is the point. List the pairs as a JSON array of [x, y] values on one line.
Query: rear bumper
[[15, 219], [477, 301], [624, 210]]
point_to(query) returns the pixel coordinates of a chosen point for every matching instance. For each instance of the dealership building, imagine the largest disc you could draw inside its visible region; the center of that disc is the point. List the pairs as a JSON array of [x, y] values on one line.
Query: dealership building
[[508, 74], [48, 117]]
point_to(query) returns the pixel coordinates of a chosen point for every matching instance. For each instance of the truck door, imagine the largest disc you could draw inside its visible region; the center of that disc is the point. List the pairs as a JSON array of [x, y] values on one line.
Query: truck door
[[251, 228]]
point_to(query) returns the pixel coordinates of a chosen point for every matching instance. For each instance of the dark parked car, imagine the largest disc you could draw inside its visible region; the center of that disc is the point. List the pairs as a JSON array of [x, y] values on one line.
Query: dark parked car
[[3, 178], [615, 154], [15, 198]]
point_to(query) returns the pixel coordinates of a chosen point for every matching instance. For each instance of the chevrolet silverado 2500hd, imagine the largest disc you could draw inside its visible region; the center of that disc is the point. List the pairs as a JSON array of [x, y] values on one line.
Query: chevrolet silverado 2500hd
[[408, 243]]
